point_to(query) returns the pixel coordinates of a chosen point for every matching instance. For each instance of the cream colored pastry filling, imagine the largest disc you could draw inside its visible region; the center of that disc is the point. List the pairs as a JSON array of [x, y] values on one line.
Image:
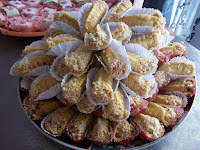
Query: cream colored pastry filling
[[24, 67], [60, 68], [78, 61], [79, 126], [122, 32], [150, 125], [101, 130], [138, 84], [116, 109], [176, 48], [115, 65], [118, 10], [41, 86], [56, 122], [178, 67], [85, 105], [73, 88], [102, 87], [170, 116], [150, 40], [169, 100], [97, 38], [123, 130], [65, 17], [161, 78], [141, 65]]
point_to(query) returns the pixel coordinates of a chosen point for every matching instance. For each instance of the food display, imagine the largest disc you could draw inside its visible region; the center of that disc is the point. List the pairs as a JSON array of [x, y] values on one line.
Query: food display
[[98, 77], [36, 16]]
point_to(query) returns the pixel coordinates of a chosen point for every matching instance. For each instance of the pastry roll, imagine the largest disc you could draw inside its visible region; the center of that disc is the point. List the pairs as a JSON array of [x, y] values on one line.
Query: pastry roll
[[24, 66], [176, 48], [78, 61], [115, 65], [156, 20], [95, 15], [57, 121], [172, 100], [60, 68], [166, 115], [79, 125], [122, 32], [102, 83], [185, 85], [26, 82], [41, 86], [150, 40], [101, 130], [65, 17], [138, 84], [38, 109], [97, 38], [137, 104], [116, 109], [151, 128], [85, 106], [72, 89], [118, 10], [51, 42], [178, 67], [29, 49], [141, 65], [161, 78], [123, 130], [52, 32]]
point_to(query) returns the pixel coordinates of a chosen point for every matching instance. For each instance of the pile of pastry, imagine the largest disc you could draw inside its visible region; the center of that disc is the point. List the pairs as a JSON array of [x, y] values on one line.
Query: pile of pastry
[[112, 75], [36, 15]]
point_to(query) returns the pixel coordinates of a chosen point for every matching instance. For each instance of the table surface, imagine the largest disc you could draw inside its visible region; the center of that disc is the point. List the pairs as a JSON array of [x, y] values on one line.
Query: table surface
[[18, 133]]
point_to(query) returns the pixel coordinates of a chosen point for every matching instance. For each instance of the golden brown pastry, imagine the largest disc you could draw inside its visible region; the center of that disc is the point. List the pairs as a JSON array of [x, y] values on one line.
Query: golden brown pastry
[[29, 49], [38, 109], [138, 84], [122, 32], [185, 85], [123, 130], [118, 10], [102, 91], [161, 78], [176, 48], [23, 67], [73, 88], [65, 17], [115, 65], [171, 100], [95, 15], [101, 130], [78, 61], [150, 126], [116, 110], [150, 40], [41, 86], [52, 32], [156, 20], [166, 115], [56, 122], [79, 125], [97, 38], [141, 65], [85, 106], [178, 67], [51, 42], [60, 68]]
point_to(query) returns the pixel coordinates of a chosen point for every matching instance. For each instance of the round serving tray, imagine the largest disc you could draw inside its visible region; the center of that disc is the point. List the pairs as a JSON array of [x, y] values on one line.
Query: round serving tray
[[136, 145]]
